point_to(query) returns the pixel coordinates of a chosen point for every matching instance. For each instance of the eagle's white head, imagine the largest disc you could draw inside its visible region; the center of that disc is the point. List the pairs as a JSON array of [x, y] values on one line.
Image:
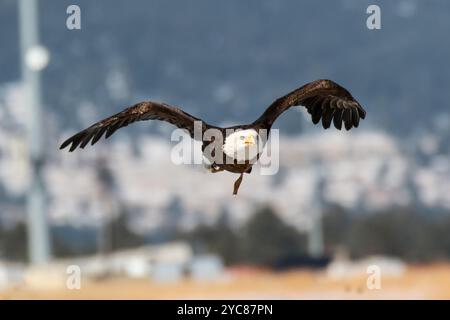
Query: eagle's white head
[[241, 145]]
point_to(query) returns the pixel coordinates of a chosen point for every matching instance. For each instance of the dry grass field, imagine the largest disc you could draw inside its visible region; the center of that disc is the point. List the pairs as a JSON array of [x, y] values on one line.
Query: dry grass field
[[417, 282]]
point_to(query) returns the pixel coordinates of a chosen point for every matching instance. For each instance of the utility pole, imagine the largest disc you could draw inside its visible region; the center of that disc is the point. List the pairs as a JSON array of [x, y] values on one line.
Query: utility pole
[[34, 59], [315, 234]]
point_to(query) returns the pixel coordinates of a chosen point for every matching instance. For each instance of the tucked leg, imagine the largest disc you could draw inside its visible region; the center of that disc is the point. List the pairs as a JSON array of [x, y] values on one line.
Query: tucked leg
[[237, 183]]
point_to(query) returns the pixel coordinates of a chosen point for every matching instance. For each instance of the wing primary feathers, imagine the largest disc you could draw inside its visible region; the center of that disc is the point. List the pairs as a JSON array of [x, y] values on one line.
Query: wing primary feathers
[[86, 139], [362, 112], [65, 144], [327, 117], [337, 119], [98, 135], [348, 125], [75, 143], [355, 118], [347, 119], [317, 113]]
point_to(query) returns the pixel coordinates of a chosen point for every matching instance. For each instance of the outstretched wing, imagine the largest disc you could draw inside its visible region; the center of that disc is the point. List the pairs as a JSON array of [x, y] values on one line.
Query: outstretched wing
[[146, 110], [324, 99]]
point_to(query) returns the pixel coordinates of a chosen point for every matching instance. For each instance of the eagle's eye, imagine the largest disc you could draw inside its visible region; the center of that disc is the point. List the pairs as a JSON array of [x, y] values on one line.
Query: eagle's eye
[[242, 137]]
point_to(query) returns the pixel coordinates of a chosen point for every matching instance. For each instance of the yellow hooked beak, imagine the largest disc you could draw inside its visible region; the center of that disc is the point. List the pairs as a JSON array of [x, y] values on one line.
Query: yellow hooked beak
[[249, 140]]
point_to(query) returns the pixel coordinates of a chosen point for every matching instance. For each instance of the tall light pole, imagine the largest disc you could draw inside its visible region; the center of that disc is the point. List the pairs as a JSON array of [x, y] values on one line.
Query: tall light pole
[[315, 234], [34, 59]]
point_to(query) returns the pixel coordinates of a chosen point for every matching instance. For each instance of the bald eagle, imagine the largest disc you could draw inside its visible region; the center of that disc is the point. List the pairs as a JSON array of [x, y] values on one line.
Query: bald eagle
[[323, 99]]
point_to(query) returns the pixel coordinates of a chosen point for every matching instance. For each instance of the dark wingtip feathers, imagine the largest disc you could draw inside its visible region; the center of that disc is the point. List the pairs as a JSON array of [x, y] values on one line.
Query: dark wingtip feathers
[[362, 113], [337, 119], [82, 139], [72, 140], [64, 144], [316, 115], [327, 118]]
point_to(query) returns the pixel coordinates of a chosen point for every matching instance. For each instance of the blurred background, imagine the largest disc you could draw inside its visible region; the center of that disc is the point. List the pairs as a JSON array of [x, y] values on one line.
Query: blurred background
[[139, 226]]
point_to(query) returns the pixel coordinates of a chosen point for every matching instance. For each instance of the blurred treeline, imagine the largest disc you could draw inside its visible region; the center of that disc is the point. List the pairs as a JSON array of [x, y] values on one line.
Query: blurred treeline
[[264, 240], [267, 240]]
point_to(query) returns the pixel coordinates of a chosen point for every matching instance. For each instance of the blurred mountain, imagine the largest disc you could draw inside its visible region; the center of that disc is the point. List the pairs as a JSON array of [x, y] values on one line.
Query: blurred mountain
[[226, 61]]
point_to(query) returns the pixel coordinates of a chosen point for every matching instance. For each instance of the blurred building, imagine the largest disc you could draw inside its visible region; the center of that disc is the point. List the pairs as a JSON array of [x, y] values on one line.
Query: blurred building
[[163, 263]]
